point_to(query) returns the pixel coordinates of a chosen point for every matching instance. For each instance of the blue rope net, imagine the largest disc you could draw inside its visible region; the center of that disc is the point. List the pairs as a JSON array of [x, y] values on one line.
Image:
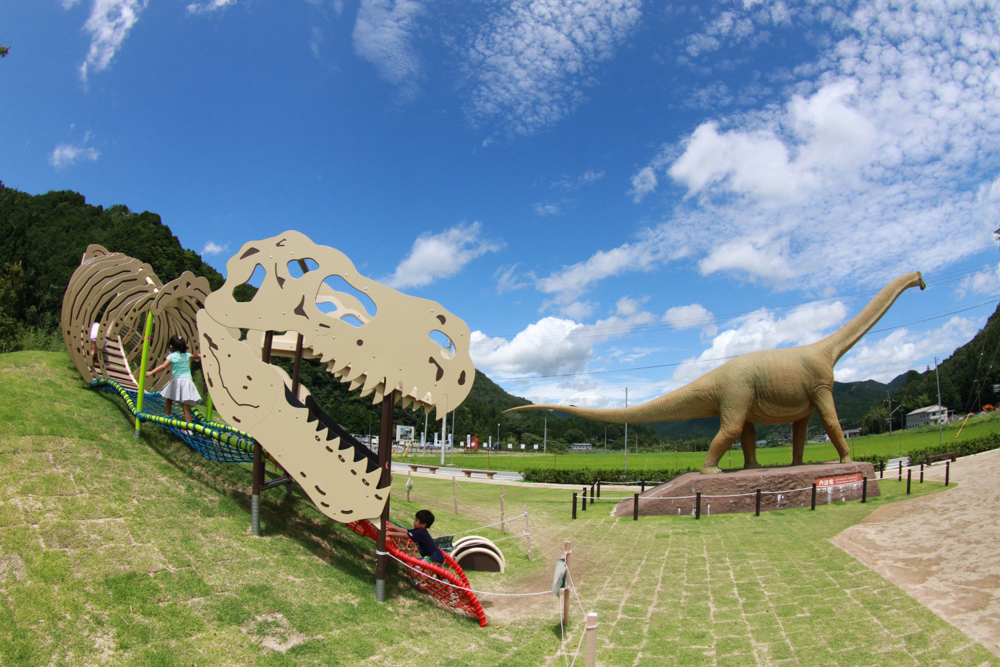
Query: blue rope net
[[214, 441]]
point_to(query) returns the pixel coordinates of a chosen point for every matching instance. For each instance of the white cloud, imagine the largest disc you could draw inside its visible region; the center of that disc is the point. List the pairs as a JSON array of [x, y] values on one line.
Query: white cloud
[[689, 317], [209, 6], [69, 3], [866, 170], [212, 248], [507, 281], [109, 24], [65, 155], [550, 346], [575, 183], [383, 36], [528, 65], [441, 256], [643, 183], [986, 281], [545, 209], [763, 330], [902, 350]]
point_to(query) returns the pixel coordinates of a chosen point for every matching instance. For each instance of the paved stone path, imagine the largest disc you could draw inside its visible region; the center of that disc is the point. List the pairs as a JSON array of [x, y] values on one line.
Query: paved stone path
[[943, 549]]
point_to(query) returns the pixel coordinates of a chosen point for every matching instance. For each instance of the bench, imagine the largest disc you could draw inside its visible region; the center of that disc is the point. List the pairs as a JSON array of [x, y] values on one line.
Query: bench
[[941, 457], [415, 467], [489, 473]]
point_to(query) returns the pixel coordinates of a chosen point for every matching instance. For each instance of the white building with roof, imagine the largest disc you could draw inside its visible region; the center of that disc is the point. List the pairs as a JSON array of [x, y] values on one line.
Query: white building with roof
[[932, 414]]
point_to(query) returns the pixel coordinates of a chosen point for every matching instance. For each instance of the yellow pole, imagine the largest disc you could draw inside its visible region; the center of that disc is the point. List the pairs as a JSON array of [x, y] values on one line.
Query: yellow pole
[[142, 367]]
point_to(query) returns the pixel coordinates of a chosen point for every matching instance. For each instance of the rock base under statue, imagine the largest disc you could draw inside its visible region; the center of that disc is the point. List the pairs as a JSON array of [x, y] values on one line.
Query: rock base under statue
[[735, 491]]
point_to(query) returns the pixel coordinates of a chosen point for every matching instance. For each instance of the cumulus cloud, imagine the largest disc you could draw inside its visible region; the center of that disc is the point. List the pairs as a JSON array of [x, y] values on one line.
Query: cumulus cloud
[[65, 155], [109, 24], [213, 248], [689, 317], [854, 176], [209, 6], [643, 183], [902, 350], [383, 35], [986, 281], [544, 209], [441, 256], [528, 64], [552, 345]]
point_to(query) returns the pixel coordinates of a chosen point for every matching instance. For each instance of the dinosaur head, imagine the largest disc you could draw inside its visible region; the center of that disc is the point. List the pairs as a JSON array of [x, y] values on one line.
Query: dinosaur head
[[370, 335]]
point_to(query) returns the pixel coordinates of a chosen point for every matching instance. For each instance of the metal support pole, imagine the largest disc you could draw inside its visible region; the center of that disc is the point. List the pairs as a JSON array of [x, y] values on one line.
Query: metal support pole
[[385, 481], [635, 508], [947, 472], [258, 481], [909, 478], [864, 489], [146, 336], [574, 504], [813, 506], [758, 502], [590, 653], [697, 505]]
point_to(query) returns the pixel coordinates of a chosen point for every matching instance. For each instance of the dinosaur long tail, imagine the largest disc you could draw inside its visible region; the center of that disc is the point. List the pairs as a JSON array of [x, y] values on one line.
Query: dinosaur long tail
[[844, 339], [688, 402]]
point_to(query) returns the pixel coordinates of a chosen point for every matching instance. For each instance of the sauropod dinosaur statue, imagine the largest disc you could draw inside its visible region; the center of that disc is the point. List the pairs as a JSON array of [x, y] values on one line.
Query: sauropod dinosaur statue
[[766, 387]]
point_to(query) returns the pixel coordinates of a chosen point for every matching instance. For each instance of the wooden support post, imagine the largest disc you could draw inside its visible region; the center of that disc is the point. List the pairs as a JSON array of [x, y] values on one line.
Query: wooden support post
[[635, 508], [385, 480], [947, 472], [921, 473], [813, 506], [527, 532], [758, 502], [584, 499], [697, 505], [909, 478], [642, 486], [574, 504], [591, 494], [864, 489], [590, 653], [900, 478], [567, 551], [598, 488], [258, 455]]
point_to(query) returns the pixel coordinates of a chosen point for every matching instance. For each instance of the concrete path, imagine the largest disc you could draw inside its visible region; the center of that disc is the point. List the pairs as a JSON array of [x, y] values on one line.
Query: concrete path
[[943, 549]]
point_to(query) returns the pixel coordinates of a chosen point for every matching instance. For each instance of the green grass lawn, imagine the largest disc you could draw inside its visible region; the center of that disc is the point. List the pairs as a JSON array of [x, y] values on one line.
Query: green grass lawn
[[119, 551]]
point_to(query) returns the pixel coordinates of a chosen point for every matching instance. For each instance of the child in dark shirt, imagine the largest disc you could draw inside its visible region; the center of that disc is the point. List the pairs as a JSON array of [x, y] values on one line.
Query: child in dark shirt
[[425, 543]]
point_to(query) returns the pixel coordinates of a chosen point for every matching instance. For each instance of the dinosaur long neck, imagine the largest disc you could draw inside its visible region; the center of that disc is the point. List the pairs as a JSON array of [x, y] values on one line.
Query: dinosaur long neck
[[844, 339], [688, 402]]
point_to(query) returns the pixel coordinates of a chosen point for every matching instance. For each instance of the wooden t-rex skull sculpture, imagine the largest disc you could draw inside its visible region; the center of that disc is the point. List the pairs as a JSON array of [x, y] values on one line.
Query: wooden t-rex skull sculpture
[[394, 349]]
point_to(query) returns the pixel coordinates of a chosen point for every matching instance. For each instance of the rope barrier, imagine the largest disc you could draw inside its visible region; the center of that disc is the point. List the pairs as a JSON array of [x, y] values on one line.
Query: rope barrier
[[732, 495], [472, 530], [462, 588]]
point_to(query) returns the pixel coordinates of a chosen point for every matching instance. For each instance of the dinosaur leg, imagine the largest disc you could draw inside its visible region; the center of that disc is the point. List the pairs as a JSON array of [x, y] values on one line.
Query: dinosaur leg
[[728, 434], [800, 429], [748, 441], [828, 415]]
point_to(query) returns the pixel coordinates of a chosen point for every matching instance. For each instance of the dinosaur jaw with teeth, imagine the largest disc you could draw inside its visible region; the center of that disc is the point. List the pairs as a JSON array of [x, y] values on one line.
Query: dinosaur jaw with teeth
[[393, 350]]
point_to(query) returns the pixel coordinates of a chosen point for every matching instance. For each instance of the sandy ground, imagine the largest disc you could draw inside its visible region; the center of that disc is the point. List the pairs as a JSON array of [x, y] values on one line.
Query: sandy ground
[[943, 549]]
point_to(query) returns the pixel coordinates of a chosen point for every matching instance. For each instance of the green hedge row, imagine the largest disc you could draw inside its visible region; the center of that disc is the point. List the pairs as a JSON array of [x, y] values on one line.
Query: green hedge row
[[877, 460], [587, 476], [965, 448]]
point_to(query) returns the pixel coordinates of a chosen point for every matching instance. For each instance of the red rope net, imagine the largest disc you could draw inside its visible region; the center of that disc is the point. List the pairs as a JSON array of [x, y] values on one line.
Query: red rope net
[[429, 577]]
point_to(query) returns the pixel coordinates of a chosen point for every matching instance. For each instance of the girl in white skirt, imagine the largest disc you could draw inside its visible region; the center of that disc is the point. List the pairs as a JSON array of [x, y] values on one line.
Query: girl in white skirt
[[181, 388]]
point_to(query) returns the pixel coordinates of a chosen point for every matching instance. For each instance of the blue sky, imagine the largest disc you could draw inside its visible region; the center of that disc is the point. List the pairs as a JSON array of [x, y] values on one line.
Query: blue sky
[[612, 194]]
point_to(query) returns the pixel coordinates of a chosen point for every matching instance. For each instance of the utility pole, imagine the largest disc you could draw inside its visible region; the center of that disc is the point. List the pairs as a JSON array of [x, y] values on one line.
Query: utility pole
[[626, 430], [545, 436], [890, 411], [940, 421]]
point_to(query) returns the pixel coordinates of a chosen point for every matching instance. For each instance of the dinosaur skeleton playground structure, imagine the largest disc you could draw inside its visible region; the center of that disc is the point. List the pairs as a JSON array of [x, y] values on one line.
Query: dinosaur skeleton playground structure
[[382, 342]]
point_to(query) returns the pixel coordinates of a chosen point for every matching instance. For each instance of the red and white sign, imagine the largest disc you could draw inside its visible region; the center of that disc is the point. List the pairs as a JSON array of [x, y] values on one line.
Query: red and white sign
[[853, 478]]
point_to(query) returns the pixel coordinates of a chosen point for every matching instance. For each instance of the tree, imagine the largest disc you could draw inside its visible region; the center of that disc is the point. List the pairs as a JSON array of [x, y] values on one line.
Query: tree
[[11, 327], [876, 420], [4, 50]]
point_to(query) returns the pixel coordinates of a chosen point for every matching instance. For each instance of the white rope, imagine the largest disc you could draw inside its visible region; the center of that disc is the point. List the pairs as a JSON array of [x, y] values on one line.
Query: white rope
[[512, 537], [732, 495], [569, 578], [471, 530]]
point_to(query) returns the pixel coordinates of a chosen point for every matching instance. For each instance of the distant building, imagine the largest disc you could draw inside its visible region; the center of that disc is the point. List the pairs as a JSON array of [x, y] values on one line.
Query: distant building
[[581, 447], [932, 414]]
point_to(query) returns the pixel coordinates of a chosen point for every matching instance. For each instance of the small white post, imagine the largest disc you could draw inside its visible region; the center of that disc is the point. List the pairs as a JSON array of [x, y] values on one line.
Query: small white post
[[590, 655], [454, 492], [567, 552], [527, 532], [503, 525]]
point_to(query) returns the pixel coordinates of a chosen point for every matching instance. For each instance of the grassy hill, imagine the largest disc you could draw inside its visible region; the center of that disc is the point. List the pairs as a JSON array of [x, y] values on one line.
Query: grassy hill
[[117, 551]]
